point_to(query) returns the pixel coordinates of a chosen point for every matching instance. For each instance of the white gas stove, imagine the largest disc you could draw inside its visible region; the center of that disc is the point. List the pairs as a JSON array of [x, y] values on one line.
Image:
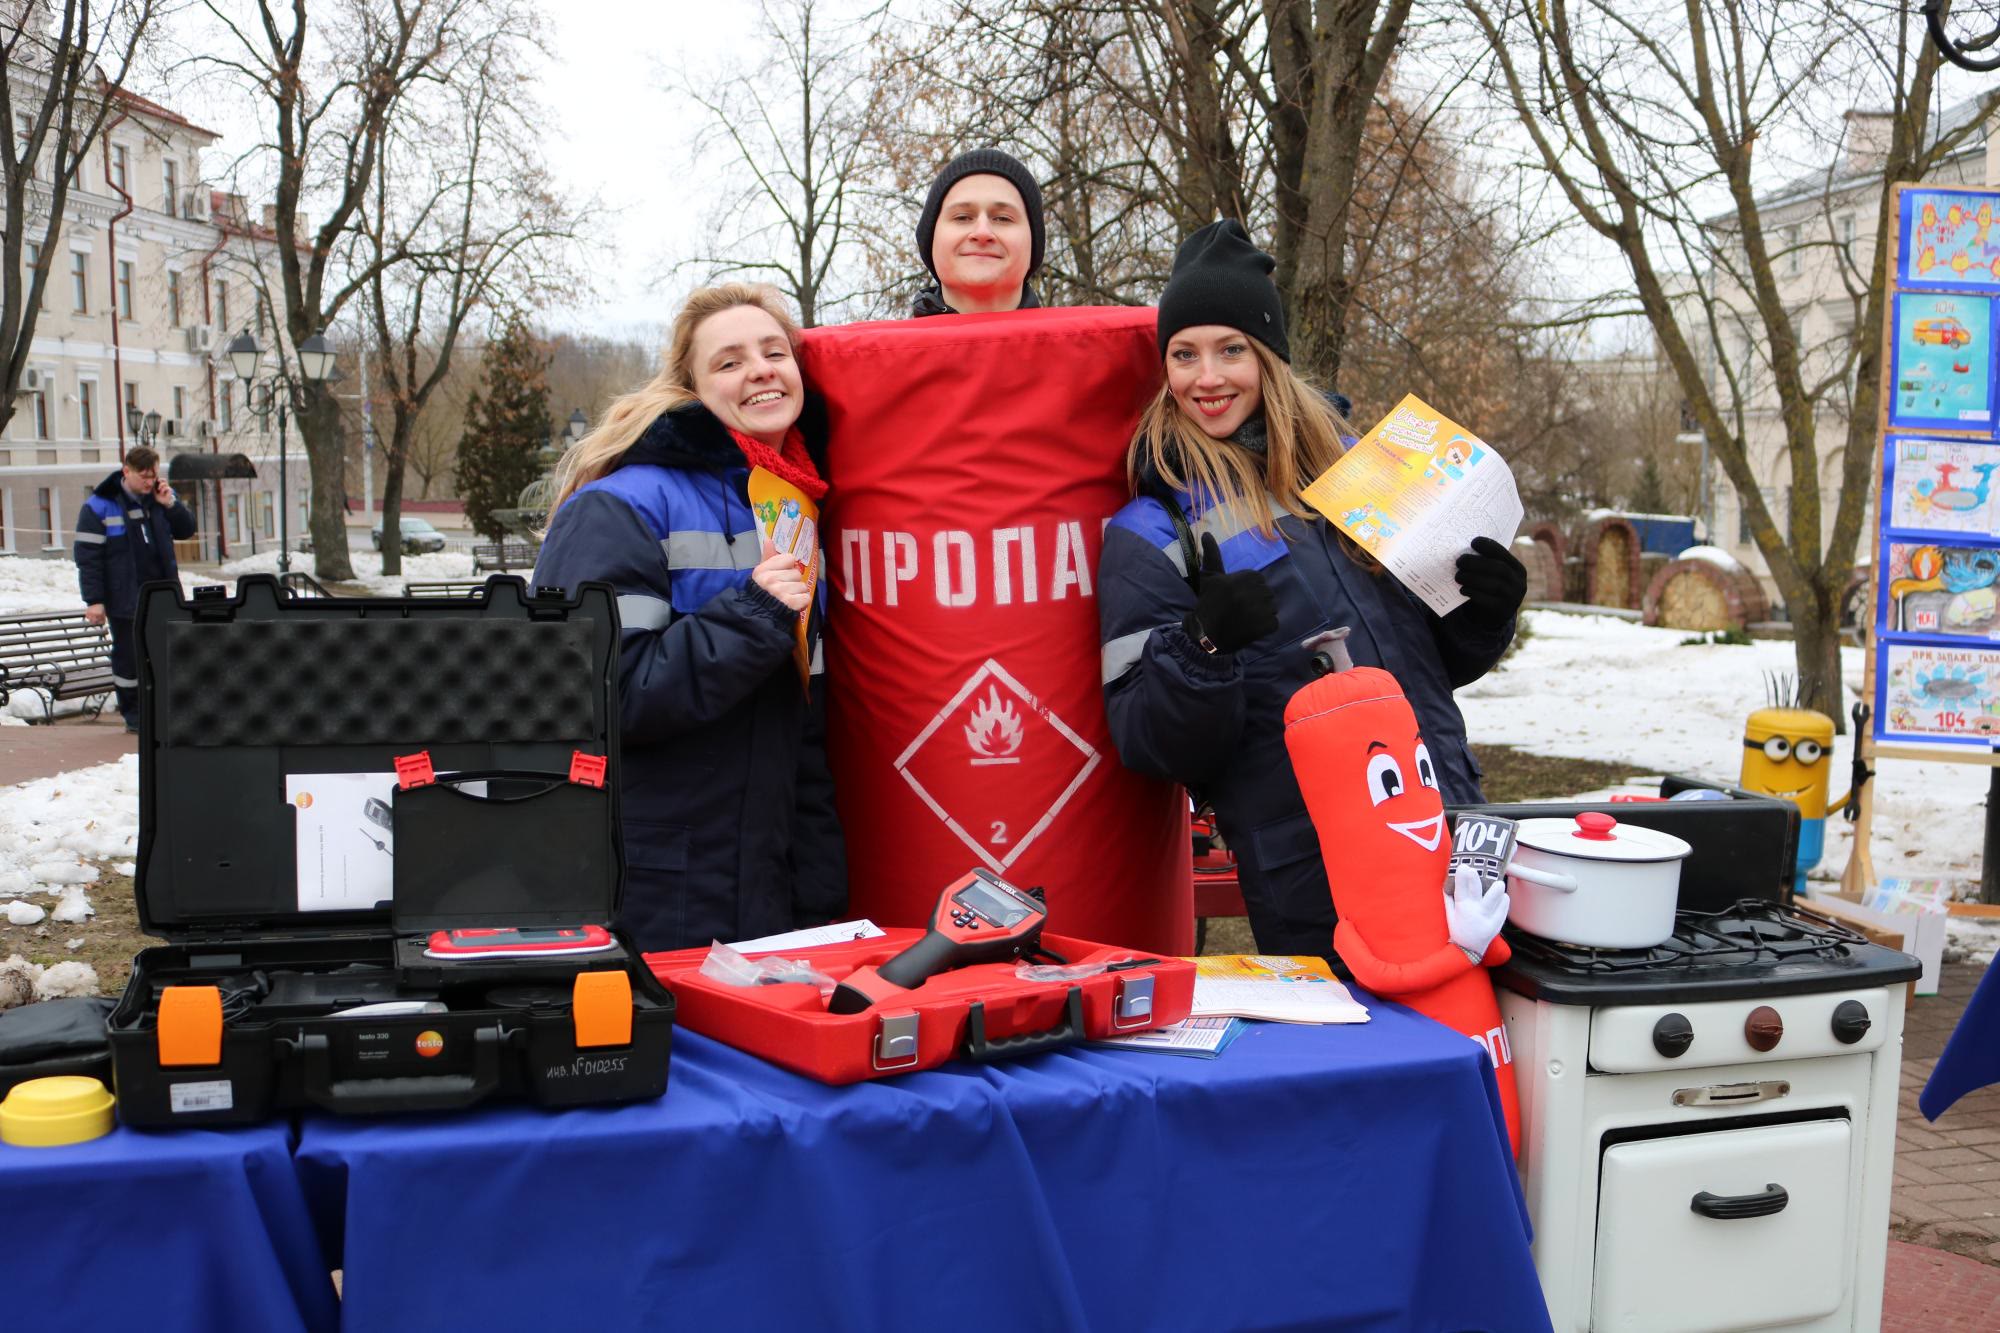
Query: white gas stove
[[1708, 1126]]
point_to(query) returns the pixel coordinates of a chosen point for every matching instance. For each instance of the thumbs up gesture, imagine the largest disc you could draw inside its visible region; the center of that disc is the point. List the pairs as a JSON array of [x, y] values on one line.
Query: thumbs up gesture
[[1231, 610]]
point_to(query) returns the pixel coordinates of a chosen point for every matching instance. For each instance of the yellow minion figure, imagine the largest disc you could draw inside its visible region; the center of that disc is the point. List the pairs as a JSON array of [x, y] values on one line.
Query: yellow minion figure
[[1785, 754]]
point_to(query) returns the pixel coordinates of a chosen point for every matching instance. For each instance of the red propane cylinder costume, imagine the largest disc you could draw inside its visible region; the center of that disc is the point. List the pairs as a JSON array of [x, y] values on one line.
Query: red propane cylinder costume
[[1365, 774], [974, 461]]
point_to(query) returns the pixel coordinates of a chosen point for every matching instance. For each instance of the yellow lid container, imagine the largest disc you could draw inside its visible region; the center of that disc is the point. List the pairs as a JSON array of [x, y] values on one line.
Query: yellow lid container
[[49, 1112]]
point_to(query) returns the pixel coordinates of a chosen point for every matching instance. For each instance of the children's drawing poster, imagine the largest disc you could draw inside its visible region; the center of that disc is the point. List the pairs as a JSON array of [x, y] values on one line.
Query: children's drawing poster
[[1940, 589], [1941, 362], [1943, 486], [1925, 692], [1948, 240]]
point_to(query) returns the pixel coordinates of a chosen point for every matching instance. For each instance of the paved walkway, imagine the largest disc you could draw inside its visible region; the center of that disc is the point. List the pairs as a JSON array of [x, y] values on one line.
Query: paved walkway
[[1947, 1192], [42, 751]]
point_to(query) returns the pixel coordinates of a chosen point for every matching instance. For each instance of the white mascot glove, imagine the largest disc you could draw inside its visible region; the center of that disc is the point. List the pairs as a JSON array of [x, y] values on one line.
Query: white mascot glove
[[1474, 916]]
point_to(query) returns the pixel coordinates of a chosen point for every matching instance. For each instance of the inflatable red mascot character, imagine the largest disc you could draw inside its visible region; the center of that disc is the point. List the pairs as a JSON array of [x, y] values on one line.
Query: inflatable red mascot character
[[1374, 799]]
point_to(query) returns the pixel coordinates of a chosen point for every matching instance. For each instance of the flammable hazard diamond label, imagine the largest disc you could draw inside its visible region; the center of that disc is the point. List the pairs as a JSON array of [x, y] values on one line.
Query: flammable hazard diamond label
[[996, 766]]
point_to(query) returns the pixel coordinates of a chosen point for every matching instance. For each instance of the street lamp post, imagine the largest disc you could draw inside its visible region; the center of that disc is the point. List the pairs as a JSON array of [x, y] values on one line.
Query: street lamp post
[[145, 426], [579, 425], [315, 364]]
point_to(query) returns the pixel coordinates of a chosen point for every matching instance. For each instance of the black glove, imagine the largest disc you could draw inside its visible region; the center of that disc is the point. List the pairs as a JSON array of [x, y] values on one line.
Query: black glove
[[1493, 581], [1231, 609]]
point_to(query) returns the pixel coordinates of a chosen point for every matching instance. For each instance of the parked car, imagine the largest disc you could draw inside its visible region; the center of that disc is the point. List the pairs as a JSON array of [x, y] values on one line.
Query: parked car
[[418, 536]]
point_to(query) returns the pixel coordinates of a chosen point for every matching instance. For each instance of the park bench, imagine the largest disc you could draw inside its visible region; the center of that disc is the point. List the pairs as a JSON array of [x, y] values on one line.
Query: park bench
[[503, 555], [59, 653], [446, 588]]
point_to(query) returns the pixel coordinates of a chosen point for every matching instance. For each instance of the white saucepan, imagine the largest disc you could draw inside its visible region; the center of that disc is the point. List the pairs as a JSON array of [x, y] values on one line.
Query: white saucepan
[[1594, 882]]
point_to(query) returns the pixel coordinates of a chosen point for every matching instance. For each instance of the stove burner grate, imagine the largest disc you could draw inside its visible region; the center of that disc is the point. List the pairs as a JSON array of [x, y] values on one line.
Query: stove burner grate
[[1752, 932]]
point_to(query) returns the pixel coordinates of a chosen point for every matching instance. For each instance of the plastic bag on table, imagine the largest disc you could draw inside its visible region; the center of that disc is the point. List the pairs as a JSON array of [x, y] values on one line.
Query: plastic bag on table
[[731, 968]]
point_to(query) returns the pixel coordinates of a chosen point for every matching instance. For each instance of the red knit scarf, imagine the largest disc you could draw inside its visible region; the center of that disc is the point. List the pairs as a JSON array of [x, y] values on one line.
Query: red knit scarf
[[794, 464]]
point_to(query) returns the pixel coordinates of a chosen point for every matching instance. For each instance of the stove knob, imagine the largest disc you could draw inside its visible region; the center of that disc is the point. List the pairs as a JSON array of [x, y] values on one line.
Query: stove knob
[[1672, 1035], [1850, 1022], [1763, 1028]]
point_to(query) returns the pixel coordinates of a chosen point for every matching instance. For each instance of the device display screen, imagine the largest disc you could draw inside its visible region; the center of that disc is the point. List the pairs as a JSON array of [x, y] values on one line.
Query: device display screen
[[995, 906]]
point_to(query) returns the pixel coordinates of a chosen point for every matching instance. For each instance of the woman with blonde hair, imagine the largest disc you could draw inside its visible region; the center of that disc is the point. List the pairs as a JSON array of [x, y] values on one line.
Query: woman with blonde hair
[[726, 802], [1212, 577]]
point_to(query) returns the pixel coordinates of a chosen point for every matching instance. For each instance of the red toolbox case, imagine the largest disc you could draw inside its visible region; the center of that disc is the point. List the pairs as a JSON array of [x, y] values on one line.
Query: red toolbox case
[[982, 1013]]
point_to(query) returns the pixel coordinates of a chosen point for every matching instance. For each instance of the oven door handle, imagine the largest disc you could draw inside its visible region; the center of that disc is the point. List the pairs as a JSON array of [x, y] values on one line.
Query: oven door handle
[[1731, 1207], [1732, 1094]]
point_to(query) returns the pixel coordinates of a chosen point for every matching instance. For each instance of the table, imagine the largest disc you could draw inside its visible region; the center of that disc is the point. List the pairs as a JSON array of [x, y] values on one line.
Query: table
[[1971, 1058], [1309, 1177], [180, 1229]]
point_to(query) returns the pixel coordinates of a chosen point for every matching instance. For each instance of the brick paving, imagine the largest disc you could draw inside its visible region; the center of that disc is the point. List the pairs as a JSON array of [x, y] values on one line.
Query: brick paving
[[44, 750], [1930, 1291], [1947, 1189]]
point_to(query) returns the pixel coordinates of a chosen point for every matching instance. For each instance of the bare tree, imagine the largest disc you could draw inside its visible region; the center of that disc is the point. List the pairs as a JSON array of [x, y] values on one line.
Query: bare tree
[[1657, 123], [328, 88], [62, 75], [1253, 109], [793, 133], [462, 220]]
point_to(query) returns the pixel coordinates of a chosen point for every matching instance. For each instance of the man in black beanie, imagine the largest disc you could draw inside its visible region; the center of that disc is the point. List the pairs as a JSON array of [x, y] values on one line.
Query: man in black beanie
[[980, 236]]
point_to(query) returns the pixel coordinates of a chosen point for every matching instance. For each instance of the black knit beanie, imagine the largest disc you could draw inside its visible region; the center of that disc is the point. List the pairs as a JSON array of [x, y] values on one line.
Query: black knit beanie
[[1219, 277], [982, 162]]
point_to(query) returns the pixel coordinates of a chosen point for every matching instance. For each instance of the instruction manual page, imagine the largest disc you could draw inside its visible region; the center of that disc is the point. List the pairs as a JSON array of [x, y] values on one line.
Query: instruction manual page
[[1414, 492], [346, 850]]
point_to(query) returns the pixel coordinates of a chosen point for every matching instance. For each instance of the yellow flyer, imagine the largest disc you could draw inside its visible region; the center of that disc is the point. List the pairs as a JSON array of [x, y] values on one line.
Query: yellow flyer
[[1414, 492], [790, 521]]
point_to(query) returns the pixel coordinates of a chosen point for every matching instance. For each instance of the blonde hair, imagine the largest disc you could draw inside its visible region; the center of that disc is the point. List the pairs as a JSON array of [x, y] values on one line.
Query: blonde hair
[[597, 453], [1302, 430]]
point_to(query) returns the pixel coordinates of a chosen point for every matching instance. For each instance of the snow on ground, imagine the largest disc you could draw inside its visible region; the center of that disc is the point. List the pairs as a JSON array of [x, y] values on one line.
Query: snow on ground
[[431, 567], [28, 585], [1598, 687], [52, 827]]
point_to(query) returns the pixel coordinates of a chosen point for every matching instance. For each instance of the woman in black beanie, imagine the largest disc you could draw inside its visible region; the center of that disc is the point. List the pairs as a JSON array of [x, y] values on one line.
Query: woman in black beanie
[[980, 236], [1215, 573]]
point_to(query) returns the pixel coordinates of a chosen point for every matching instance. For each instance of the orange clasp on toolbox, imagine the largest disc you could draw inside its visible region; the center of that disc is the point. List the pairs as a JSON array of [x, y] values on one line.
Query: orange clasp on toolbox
[[190, 1027], [601, 1009]]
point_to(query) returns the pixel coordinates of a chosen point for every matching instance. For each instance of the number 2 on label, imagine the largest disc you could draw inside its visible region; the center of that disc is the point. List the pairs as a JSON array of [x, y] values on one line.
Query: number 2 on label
[[999, 838]]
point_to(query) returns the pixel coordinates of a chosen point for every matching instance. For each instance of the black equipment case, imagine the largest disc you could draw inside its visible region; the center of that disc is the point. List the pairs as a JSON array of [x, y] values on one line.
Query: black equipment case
[[499, 713]]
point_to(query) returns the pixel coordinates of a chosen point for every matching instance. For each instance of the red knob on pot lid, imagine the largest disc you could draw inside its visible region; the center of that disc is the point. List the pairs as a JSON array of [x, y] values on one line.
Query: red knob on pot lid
[[1596, 826]]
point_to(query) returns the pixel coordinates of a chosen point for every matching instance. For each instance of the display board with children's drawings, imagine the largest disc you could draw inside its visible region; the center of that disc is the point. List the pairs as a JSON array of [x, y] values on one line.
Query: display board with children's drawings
[[1935, 647]]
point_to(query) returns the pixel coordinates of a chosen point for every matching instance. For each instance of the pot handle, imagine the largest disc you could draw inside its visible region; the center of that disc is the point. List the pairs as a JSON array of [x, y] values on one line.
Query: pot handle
[[1546, 878]]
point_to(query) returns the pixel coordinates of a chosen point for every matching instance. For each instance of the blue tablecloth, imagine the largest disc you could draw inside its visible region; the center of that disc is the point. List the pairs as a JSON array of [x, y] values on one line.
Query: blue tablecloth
[[1352, 1177], [1971, 1058], [186, 1229]]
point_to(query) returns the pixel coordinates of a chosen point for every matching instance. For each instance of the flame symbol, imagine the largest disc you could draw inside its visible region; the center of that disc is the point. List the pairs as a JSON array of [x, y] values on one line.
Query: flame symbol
[[995, 728]]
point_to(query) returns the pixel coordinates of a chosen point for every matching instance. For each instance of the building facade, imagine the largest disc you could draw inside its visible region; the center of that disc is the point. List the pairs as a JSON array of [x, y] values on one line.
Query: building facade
[[150, 275]]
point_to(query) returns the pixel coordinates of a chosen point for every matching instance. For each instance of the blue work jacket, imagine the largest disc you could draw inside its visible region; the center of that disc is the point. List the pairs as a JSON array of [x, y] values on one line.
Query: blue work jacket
[[1215, 722], [727, 803]]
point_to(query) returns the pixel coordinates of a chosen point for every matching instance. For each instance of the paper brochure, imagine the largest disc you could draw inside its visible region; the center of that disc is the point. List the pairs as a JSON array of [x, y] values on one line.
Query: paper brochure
[[1413, 492]]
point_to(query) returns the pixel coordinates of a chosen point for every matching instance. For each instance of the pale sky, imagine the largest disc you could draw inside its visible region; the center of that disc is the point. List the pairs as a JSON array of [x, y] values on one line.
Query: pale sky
[[621, 135]]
